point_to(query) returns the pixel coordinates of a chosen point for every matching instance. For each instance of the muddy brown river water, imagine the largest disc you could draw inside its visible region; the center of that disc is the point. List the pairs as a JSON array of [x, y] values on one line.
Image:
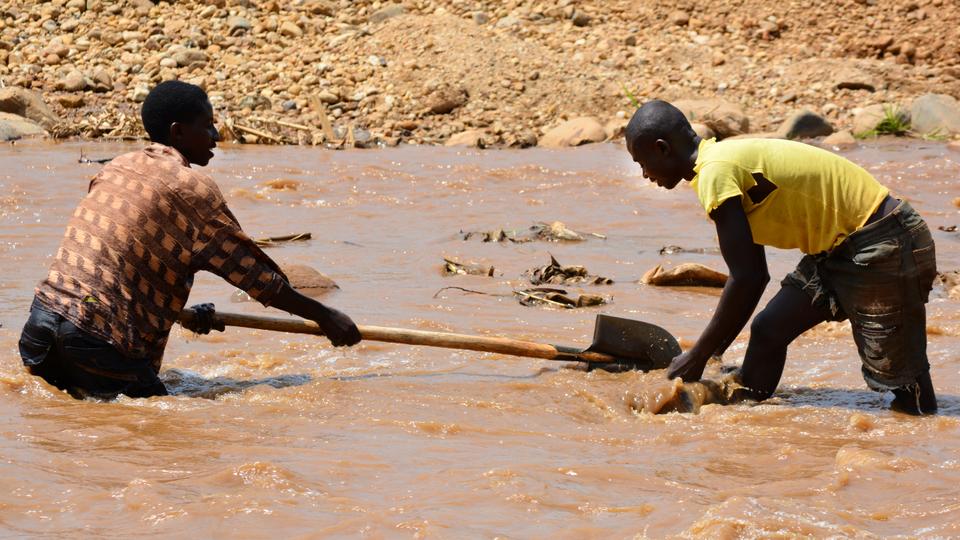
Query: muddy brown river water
[[281, 436]]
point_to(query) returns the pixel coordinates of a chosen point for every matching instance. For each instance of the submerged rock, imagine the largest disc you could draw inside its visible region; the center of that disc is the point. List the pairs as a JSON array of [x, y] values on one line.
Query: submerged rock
[[28, 104], [840, 138], [690, 274], [13, 127]]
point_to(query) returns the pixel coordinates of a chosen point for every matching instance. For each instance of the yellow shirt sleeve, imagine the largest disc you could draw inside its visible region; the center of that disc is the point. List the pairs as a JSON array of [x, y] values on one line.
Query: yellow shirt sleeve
[[719, 181]]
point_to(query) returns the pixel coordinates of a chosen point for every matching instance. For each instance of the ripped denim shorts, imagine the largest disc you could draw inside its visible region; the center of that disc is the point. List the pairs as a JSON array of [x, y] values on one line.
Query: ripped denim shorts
[[880, 278]]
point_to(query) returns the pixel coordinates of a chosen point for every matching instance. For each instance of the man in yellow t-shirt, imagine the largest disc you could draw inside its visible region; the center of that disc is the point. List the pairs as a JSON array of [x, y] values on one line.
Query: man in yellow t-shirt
[[868, 256]]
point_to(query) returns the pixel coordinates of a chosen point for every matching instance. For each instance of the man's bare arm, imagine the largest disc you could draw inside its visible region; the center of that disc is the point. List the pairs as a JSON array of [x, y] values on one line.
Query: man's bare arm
[[337, 326], [748, 278]]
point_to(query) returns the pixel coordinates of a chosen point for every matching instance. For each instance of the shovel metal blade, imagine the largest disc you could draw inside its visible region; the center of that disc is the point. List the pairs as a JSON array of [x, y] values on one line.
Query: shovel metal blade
[[639, 344]]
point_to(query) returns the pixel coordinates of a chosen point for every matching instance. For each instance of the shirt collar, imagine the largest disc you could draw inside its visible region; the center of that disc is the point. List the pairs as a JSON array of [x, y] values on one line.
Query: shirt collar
[[162, 151], [705, 145]]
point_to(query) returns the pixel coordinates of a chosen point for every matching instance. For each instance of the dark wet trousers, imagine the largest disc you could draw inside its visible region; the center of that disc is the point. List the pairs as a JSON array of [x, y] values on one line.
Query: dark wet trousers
[[83, 365], [880, 278]]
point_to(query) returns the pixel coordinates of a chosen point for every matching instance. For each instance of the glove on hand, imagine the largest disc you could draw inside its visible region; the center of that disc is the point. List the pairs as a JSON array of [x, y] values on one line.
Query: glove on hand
[[204, 320]]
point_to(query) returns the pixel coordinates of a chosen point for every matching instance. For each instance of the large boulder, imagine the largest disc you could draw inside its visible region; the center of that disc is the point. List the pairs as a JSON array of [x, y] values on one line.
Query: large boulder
[[867, 119], [472, 137], [30, 105], [13, 127], [935, 114], [804, 124], [575, 132], [840, 139], [726, 119]]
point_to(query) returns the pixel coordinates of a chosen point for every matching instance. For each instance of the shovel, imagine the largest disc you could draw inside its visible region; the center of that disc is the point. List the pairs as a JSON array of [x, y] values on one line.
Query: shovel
[[618, 344]]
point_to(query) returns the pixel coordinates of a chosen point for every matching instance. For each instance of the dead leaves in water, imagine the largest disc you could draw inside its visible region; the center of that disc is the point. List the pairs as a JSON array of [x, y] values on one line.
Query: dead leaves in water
[[557, 274], [557, 298], [453, 268], [545, 232], [553, 273], [690, 274]]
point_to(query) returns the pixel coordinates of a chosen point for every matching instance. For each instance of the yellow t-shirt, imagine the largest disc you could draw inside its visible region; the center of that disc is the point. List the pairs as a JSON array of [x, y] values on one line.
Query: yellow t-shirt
[[820, 197]]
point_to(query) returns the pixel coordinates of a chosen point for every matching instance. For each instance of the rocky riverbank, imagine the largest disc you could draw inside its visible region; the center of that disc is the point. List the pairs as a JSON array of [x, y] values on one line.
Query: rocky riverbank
[[484, 73]]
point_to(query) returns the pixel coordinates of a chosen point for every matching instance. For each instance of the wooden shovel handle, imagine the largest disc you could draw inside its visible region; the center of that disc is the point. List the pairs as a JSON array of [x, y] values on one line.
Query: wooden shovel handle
[[446, 340]]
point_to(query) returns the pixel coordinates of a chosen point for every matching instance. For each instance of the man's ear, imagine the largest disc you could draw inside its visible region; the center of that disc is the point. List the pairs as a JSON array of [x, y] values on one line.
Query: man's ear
[[176, 132], [662, 146]]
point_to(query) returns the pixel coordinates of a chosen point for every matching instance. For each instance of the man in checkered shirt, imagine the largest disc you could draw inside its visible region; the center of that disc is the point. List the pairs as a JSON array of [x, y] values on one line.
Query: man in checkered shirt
[[100, 320]]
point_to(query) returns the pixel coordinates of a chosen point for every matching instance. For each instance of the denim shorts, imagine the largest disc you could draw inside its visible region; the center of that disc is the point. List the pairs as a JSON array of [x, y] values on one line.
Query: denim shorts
[[82, 364], [880, 278]]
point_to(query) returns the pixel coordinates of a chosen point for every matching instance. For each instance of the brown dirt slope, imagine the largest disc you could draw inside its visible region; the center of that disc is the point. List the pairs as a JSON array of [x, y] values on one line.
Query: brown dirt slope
[[422, 70]]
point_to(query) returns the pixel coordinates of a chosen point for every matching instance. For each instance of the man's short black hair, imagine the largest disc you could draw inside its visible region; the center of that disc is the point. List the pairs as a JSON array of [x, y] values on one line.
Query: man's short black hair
[[657, 119], [169, 102]]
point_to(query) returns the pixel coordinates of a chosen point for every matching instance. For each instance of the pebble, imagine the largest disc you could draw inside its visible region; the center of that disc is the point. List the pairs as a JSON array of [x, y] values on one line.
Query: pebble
[[237, 25], [73, 81], [140, 93], [328, 97], [71, 101], [445, 99], [189, 57], [679, 18], [290, 30]]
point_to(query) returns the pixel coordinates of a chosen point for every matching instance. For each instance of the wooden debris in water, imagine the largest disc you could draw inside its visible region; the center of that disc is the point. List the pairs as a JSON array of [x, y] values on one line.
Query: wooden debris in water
[[673, 250], [99, 161], [546, 232], [557, 298], [949, 283], [498, 235], [274, 241], [557, 274], [690, 274], [452, 267], [555, 232], [257, 133]]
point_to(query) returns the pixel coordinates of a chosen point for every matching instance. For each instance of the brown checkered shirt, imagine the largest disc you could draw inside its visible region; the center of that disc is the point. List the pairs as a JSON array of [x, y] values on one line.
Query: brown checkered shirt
[[125, 267]]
